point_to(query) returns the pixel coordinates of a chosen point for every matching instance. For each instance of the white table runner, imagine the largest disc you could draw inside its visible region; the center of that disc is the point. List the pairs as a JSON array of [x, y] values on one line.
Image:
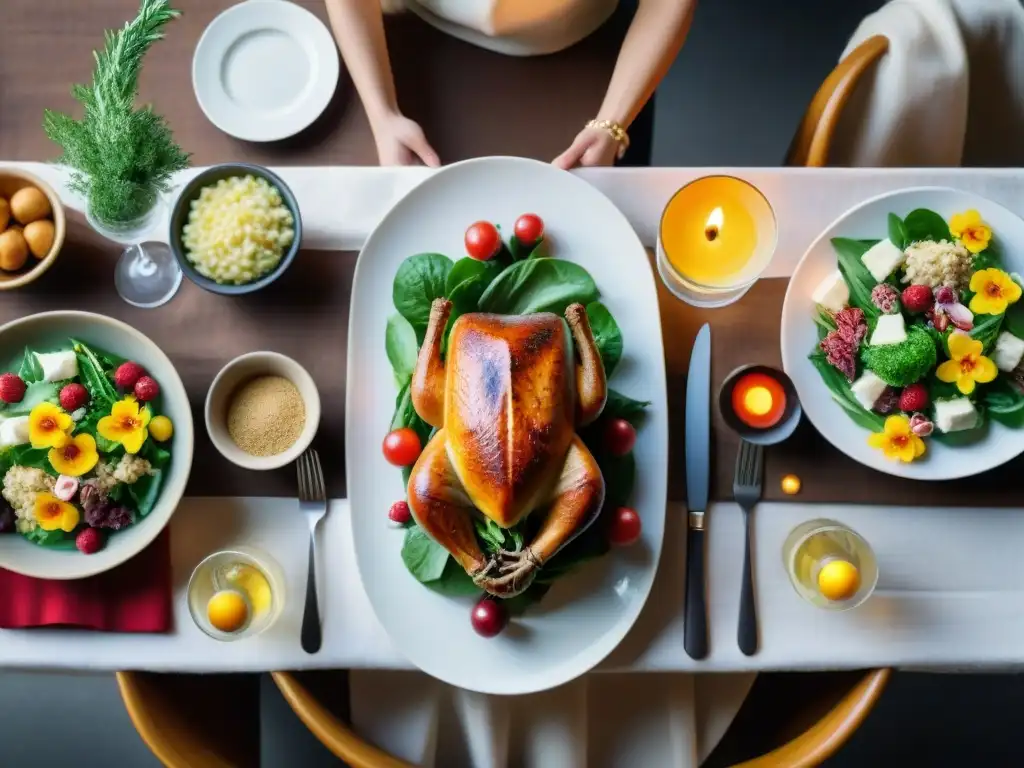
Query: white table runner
[[949, 593]]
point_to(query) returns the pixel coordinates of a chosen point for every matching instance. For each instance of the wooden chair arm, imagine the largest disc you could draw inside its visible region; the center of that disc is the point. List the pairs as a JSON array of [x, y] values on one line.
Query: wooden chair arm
[[813, 138], [821, 740], [338, 737], [195, 721]]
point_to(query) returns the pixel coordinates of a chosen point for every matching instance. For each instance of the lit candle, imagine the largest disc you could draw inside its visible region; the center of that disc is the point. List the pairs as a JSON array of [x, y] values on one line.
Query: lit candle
[[758, 400], [717, 235]]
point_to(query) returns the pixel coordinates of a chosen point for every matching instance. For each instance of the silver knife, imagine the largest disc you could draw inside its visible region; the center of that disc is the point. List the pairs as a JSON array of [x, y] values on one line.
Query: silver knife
[[698, 477]]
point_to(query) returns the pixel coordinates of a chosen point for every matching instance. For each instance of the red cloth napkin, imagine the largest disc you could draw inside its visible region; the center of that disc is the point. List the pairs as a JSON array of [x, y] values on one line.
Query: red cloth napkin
[[134, 597]]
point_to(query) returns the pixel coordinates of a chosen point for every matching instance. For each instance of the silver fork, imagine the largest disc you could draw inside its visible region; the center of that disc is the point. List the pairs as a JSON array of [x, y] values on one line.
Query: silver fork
[[313, 503], [746, 489]]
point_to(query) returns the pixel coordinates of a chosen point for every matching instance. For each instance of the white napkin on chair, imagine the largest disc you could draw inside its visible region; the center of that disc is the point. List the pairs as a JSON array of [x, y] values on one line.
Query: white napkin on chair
[[950, 91], [602, 720]]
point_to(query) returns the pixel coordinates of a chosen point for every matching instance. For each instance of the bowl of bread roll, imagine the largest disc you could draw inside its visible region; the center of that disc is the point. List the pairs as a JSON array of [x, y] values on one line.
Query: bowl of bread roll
[[31, 227]]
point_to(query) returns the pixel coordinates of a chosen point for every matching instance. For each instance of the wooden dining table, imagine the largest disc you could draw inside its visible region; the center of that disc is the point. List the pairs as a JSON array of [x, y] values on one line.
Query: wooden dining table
[[470, 102]]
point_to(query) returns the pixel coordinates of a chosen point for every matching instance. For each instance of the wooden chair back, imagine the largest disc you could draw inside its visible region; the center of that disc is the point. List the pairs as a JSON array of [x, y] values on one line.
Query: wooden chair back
[[813, 138]]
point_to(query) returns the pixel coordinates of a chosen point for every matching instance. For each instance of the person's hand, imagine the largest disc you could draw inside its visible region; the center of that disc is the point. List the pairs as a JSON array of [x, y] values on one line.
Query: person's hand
[[400, 141], [592, 146]]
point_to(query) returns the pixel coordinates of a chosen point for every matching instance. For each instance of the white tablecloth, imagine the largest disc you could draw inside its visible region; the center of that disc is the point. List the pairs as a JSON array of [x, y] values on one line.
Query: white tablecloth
[[950, 593]]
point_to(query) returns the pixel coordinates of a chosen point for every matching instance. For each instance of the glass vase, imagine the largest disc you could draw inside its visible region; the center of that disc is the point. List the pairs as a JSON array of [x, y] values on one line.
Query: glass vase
[[147, 275]]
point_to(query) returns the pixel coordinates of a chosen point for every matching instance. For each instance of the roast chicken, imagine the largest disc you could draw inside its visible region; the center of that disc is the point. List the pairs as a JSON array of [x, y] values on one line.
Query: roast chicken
[[506, 401]]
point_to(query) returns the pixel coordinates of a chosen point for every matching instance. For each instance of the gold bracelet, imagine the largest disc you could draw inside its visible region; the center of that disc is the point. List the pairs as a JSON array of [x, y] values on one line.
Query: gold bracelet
[[616, 131]]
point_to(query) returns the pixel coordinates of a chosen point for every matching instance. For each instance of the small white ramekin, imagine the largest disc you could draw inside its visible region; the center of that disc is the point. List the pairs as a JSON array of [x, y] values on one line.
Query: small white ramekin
[[240, 370]]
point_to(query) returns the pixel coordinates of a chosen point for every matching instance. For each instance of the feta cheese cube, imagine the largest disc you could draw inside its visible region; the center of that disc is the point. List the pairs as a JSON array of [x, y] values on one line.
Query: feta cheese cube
[[867, 389], [955, 415], [58, 366], [882, 258], [832, 293], [889, 329], [1008, 351], [14, 431]]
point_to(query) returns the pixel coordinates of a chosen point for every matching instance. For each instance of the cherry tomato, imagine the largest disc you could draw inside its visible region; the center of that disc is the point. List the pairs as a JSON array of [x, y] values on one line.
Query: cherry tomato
[[402, 447], [482, 240], [529, 228], [489, 617], [625, 527], [619, 437], [400, 513]]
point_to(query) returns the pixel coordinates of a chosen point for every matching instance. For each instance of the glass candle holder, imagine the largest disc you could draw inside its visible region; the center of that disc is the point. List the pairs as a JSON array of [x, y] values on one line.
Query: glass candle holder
[[247, 572], [716, 237]]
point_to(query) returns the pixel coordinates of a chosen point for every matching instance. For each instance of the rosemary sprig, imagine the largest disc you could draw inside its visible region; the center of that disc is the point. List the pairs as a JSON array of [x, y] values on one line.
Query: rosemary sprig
[[121, 157]]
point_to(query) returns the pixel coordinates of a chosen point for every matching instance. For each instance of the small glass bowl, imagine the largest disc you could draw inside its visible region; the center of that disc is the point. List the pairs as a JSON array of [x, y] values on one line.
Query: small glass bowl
[[203, 585]]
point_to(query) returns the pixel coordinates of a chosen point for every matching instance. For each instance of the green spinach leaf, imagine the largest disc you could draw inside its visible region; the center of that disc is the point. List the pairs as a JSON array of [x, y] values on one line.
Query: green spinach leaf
[[145, 490], [35, 393], [897, 231], [155, 455], [424, 557], [539, 285], [419, 280], [30, 371], [606, 334], [857, 277], [27, 456], [1004, 404], [619, 406], [619, 477], [102, 392], [402, 349], [987, 329], [454, 582], [923, 224], [841, 393], [58, 539]]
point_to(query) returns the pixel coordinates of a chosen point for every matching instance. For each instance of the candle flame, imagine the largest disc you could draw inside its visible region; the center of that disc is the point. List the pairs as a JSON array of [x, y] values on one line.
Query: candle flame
[[714, 223]]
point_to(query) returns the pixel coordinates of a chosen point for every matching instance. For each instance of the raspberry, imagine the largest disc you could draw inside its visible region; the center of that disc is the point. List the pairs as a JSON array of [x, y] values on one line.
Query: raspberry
[[146, 389], [89, 541], [12, 388], [73, 396], [917, 298], [914, 398], [399, 513], [945, 295], [127, 374]]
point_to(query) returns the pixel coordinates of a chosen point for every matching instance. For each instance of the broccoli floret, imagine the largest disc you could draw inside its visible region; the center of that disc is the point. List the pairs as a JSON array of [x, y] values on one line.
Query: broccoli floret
[[900, 365]]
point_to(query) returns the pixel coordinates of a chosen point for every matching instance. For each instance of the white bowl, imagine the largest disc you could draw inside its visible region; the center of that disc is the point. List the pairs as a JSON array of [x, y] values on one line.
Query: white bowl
[[242, 369], [47, 331], [998, 444]]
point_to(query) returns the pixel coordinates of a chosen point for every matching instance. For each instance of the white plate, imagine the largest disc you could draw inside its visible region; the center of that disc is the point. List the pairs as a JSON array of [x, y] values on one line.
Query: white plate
[[799, 334], [48, 331], [264, 70], [588, 613]]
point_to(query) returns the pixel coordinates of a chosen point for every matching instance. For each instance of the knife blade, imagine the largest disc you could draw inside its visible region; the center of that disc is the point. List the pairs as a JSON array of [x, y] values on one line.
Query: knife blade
[[698, 478]]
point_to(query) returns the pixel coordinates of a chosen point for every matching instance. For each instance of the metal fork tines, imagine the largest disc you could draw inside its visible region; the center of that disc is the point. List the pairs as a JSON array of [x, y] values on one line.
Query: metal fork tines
[[746, 489], [313, 503]]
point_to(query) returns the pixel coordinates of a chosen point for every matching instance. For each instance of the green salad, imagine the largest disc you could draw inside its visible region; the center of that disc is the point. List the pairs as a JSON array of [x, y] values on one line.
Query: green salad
[[921, 334], [83, 446]]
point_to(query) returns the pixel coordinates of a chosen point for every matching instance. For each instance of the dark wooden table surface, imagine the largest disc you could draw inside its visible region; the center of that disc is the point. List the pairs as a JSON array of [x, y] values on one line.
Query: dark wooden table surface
[[471, 103]]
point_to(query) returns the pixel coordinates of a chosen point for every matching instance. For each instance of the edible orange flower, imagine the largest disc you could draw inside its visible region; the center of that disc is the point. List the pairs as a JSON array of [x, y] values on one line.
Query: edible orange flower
[[76, 456], [48, 426], [897, 441], [126, 424], [51, 513], [994, 291], [966, 365], [969, 229]]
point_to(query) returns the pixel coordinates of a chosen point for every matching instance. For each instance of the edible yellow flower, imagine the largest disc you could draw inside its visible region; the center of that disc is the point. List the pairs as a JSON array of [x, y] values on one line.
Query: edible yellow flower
[[993, 290], [51, 513], [897, 441], [76, 456], [966, 365], [48, 426], [126, 424], [969, 229]]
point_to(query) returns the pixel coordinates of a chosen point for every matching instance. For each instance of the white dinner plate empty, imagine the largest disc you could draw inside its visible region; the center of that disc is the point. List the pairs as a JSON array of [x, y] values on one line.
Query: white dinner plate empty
[[264, 70]]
